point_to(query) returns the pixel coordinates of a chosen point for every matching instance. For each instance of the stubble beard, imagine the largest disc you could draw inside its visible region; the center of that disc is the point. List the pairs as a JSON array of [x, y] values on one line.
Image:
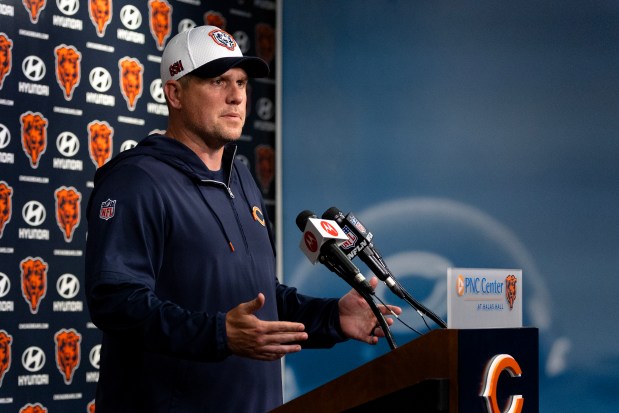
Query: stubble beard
[[221, 138], [218, 137]]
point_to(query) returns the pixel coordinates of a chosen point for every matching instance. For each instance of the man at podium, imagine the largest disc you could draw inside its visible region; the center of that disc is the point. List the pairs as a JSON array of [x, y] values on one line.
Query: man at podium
[[180, 262]]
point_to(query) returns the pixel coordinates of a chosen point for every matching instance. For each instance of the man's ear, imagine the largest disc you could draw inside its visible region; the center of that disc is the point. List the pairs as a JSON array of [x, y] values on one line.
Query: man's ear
[[173, 91]]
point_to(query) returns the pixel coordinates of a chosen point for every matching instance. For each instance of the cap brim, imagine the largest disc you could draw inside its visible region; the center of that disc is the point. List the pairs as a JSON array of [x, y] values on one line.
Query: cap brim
[[254, 66]]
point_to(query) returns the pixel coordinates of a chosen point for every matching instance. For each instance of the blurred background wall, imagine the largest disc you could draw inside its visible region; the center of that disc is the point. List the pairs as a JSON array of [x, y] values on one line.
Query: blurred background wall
[[466, 134]]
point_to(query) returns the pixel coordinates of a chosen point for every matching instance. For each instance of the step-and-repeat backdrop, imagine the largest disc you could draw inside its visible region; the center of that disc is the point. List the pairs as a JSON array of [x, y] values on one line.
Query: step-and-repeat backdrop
[[79, 83]]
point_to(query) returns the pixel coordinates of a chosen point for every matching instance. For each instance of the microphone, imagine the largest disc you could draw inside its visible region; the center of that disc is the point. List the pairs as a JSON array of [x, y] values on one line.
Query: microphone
[[320, 242], [359, 243]]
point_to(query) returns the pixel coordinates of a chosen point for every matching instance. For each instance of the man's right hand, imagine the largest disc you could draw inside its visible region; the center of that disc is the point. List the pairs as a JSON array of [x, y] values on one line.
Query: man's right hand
[[248, 336]]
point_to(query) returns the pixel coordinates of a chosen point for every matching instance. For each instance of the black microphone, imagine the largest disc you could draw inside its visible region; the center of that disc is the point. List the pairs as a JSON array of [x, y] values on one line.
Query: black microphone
[[320, 242], [359, 244]]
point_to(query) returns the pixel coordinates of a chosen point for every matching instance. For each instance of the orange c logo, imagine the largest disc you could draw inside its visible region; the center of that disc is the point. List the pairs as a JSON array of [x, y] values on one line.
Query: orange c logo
[[258, 216], [499, 363]]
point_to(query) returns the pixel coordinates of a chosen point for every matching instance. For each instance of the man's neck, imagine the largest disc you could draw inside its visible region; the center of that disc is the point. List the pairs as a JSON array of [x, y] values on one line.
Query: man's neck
[[210, 156]]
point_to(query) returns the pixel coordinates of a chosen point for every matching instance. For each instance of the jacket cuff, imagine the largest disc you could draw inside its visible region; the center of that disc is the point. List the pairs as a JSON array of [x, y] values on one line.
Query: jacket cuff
[[336, 323], [221, 335]]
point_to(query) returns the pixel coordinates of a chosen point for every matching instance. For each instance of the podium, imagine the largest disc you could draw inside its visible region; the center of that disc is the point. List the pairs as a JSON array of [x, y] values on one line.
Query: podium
[[447, 370]]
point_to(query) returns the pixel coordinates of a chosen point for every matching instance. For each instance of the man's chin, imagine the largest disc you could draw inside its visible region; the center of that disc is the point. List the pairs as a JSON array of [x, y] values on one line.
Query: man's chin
[[232, 138], [226, 138]]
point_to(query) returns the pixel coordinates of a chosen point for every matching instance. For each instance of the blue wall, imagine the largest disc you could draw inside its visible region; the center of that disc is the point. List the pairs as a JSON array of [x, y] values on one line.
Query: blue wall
[[468, 134]]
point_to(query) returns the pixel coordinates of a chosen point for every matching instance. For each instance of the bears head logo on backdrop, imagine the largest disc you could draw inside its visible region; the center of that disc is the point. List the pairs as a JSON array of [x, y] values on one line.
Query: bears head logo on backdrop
[[33, 408], [265, 42], [215, 18], [265, 166], [131, 71], [100, 135], [6, 57], [68, 69], [67, 210], [160, 21], [34, 8], [6, 205], [100, 12], [510, 290], [5, 353], [67, 353], [33, 281], [34, 136]]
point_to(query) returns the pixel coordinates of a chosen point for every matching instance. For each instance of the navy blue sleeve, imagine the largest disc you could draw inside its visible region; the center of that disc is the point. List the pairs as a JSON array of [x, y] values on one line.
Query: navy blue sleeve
[[123, 256], [319, 315]]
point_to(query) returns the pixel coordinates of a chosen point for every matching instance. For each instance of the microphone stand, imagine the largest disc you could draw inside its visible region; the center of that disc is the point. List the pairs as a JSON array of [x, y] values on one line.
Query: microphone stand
[[341, 271], [379, 317], [397, 289], [422, 309]]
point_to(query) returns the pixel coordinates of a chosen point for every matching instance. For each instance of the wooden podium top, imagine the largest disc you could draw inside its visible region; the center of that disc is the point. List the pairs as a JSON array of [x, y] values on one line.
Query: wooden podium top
[[441, 371], [427, 356]]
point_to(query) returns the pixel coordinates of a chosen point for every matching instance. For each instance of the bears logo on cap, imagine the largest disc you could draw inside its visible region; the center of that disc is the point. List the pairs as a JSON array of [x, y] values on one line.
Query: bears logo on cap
[[223, 39]]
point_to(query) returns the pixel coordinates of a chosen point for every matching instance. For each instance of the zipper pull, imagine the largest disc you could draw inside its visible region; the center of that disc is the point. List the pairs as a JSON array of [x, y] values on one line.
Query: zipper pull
[[230, 192]]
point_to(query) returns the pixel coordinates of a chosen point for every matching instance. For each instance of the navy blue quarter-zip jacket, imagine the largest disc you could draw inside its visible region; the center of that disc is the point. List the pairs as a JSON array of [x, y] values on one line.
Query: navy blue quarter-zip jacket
[[171, 247]]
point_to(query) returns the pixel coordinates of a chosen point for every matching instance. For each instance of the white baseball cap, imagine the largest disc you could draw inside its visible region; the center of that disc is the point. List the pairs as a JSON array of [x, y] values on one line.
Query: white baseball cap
[[206, 51]]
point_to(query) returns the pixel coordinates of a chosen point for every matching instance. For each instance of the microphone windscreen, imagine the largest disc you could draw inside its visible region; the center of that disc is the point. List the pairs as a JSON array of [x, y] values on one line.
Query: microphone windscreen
[[331, 213], [303, 217]]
